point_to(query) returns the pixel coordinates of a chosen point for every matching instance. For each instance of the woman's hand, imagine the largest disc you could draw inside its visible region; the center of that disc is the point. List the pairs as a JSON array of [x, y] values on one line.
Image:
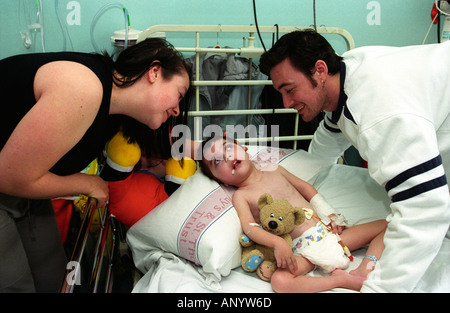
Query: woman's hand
[[99, 190]]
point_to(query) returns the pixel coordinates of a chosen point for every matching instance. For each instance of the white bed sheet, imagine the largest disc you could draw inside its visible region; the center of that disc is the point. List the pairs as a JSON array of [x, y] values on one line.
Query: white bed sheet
[[349, 190], [362, 201], [172, 274]]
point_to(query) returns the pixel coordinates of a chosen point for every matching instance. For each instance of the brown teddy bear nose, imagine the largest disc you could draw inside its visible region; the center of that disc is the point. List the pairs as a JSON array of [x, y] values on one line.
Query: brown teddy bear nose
[[273, 225]]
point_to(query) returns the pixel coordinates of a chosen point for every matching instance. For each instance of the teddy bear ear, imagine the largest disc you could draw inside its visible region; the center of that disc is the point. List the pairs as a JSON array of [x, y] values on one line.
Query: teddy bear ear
[[299, 216], [264, 200]]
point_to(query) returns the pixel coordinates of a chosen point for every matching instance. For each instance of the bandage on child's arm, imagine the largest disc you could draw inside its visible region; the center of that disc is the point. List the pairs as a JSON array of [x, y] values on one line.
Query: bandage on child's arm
[[324, 210]]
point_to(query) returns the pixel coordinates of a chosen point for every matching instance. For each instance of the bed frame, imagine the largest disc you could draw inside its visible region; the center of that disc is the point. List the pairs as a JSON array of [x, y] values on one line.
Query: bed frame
[[98, 266], [109, 236], [248, 51]]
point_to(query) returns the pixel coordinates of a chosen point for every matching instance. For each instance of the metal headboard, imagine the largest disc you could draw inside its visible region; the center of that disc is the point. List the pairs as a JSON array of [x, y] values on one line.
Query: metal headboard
[[249, 51]]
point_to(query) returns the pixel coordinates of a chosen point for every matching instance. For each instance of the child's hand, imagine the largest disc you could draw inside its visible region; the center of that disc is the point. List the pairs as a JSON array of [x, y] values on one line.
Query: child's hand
[[284, 256], [335, 227]]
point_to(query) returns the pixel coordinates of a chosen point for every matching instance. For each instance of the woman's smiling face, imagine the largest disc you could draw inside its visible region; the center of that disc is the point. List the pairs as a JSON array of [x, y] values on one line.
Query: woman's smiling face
[[165, 102]]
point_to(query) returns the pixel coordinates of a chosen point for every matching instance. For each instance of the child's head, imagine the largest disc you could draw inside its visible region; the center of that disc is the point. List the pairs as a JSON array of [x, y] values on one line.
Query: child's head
[[223, 160]]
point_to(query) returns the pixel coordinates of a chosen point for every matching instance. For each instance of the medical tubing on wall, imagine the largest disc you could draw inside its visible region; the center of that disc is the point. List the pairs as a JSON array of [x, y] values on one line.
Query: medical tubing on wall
[[41, 23], [257, 27], [27, 37], [60, 24], [63, 26], [103, 10]]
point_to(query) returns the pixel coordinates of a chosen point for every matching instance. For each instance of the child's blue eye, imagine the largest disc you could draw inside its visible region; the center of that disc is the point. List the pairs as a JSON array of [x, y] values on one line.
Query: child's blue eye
[[216, 162]]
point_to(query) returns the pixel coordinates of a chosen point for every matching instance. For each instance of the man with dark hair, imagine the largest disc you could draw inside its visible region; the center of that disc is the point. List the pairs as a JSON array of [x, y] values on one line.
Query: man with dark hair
[[393, 105]]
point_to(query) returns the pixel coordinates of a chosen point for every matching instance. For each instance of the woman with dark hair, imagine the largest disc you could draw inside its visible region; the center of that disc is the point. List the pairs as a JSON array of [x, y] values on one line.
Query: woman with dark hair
[[59, 110]]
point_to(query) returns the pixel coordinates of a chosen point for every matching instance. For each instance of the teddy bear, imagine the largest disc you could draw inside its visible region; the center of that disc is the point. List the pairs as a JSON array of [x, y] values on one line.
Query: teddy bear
[[278, 217]]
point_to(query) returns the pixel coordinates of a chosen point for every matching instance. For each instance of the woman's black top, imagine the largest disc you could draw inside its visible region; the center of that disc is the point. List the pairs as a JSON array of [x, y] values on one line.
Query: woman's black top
[[17, 98]]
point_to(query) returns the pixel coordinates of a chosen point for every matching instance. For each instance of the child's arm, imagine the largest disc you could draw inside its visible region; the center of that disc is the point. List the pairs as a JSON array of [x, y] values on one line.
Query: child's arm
[[282, 251], [323, 209]]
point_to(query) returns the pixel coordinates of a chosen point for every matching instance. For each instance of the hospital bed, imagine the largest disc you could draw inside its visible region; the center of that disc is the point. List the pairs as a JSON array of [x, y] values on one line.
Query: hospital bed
[[90, 267], [189, 243]]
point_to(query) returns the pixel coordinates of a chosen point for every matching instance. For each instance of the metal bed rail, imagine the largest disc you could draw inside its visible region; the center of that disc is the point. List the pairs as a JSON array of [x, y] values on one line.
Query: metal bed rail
[[98, 277], [240, 29], [96, 274], [249, 51]]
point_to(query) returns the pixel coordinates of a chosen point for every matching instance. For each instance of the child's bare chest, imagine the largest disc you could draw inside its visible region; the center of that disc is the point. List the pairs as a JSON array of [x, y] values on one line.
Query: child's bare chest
[[279, 187]]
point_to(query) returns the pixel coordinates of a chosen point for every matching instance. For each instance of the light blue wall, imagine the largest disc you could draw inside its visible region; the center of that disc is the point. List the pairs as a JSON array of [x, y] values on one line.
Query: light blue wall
[[397, 22]]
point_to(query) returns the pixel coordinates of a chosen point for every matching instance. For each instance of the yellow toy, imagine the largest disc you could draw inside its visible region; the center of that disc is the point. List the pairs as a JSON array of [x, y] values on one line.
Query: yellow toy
[[177, 171], [121, 157], [278, 217], [121, 154], [132, 194]]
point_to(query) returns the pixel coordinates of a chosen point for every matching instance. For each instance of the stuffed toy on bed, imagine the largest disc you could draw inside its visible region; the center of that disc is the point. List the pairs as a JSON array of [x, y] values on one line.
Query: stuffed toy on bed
[[133, 194], [278, 217]]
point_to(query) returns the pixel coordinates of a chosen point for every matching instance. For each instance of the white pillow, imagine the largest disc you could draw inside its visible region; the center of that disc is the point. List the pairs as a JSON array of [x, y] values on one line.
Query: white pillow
[[298, 162], [199, 223]]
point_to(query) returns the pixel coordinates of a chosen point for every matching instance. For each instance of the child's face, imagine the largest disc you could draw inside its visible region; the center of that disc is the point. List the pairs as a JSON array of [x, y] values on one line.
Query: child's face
[[227, 161]]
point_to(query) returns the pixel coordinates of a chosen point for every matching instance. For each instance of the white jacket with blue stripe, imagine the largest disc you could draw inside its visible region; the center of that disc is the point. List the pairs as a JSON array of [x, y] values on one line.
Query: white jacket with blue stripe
[[394, 108]]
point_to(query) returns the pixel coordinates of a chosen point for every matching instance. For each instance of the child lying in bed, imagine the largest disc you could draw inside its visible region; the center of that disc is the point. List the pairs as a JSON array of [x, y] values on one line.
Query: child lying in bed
[[227, 162]]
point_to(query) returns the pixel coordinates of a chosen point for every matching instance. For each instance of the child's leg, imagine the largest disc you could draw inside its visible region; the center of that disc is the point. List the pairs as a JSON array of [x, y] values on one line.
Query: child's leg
[[358, 236], [284, 281]]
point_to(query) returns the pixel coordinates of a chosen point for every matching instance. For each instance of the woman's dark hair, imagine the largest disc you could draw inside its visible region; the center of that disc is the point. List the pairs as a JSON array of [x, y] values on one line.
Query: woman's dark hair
[[303, 48], [133, 62], [130, 65]]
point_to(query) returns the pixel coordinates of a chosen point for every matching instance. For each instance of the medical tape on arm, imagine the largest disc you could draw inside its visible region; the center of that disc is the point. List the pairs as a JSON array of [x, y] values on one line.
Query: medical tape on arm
[[323, 210]]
